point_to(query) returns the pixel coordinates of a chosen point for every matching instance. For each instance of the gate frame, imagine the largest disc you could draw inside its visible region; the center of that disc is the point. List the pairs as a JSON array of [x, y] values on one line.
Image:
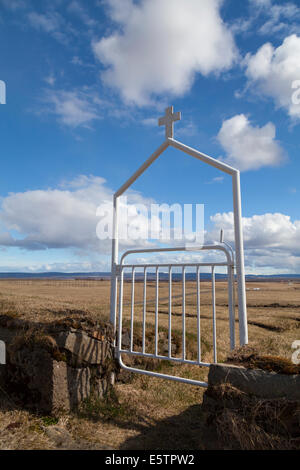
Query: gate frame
[[183, 360], [237, 210]]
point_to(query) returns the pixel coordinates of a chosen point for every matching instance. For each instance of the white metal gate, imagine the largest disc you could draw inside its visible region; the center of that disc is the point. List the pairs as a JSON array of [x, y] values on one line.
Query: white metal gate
[[117, 269], [132, 269]]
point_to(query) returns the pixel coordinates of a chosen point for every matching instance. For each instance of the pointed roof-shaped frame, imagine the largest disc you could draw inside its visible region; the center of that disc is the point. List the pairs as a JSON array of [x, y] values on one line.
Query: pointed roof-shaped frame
[[168, 121]]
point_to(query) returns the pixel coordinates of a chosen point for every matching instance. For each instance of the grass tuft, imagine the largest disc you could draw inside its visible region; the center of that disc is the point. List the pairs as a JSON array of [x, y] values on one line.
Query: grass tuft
[[108, 408]]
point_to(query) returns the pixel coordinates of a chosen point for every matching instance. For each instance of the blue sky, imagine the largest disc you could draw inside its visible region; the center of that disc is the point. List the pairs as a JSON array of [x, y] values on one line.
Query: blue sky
[[86, 82]]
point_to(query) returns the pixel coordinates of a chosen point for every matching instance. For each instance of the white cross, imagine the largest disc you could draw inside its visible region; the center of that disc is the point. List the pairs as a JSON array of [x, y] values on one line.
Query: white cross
[[168, 120]]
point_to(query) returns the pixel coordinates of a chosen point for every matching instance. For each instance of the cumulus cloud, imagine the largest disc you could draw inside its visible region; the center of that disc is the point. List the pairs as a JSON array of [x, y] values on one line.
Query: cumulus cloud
[[66, 218], [55, 218], [271, 230], [272, 71], [271, 241], [158, 47], [249, 147]]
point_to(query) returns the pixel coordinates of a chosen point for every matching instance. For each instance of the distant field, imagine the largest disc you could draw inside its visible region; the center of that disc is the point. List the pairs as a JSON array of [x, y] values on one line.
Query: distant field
[[150, 410], [273, 307]]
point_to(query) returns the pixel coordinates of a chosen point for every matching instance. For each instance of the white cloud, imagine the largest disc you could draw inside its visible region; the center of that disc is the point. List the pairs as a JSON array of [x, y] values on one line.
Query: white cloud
[[76, 60], [73, 108], [270, 230], [55, 218], [65, 218], [217, 179], [76, 8], [57, 267], [81, 107], [281, 19], [187, 129], [271, 241], [261, 3], [158, 46], [50, 80], [249, 147], [292, 190], [268, 18], [271, 71], [49, 22], [52, 23], [151, 122]]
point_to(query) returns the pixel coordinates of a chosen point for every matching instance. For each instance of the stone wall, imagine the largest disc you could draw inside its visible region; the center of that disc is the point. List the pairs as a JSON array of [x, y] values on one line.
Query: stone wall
[[252, 409], [55, 366]]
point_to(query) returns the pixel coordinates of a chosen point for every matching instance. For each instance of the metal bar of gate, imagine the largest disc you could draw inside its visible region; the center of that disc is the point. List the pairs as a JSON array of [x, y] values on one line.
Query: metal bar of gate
[[231, 306], [198, 314], [170, 313], [214, 312], [156, 311], [132, 309], [120, 310], [199, 383], [144, 308], [178, 265], [183, 313], [166, 358]]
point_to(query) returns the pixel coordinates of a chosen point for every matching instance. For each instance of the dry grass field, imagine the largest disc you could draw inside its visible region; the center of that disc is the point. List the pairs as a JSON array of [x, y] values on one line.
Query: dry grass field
[[146, 413]]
